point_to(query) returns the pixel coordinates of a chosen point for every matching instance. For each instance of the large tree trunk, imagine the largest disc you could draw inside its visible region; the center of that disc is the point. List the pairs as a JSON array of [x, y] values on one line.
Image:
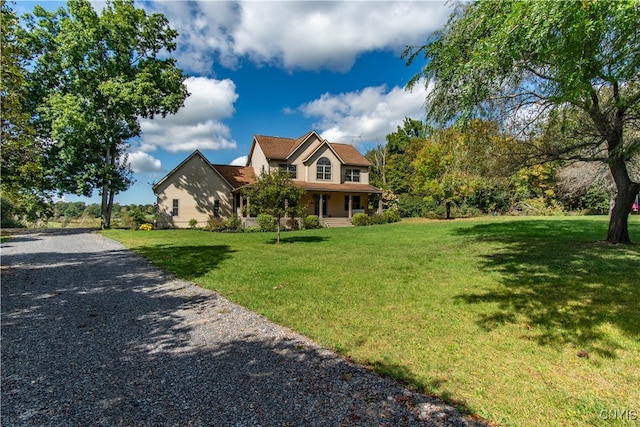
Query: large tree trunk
[[627, 191], [612, 130], [619, 219]]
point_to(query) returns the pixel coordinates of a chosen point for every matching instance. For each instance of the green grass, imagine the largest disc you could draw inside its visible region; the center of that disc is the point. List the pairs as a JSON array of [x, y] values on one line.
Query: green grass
[[489, 315]]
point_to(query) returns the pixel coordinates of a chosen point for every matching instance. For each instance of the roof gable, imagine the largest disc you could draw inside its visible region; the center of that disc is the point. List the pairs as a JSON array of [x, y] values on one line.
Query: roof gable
[[235, 176], [326, 144]]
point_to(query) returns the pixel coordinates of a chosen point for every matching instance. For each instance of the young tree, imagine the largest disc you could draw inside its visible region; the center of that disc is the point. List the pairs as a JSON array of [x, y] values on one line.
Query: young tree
[[92, 76], [274, 194], [530, 61]]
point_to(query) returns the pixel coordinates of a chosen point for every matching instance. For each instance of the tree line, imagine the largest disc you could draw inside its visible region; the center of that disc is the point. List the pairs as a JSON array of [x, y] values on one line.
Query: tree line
[[469, 170]]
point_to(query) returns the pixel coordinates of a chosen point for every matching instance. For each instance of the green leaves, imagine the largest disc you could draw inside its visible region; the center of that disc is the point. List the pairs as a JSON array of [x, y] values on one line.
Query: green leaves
[[92, 77]]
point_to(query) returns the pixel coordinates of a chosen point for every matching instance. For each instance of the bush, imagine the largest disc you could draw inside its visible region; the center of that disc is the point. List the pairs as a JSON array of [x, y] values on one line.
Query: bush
[[391, 216], [230, 225], [134, 219], [267, 222], [386, 217], [193, 223], [414, 206], [360, 219], [310, 222], [7, 211], [146, 227]]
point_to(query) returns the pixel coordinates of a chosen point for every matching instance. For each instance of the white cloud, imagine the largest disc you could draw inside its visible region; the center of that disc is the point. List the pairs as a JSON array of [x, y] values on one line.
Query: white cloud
[[296, 34], [198, 125], [365, 116], [142, 162], [240, 161]]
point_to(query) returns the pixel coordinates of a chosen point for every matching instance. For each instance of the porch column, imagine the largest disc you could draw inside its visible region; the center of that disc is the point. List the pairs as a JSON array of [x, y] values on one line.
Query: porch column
[[241, 205], [320, 203], [380, 205], [350, 206]]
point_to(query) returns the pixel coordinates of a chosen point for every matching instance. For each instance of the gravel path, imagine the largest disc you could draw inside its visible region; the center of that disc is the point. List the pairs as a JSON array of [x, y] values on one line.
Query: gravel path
[[93, 335]]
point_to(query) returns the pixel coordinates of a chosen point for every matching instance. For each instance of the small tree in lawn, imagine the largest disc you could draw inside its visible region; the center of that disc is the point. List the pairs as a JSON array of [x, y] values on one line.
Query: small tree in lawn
[[274, 194]]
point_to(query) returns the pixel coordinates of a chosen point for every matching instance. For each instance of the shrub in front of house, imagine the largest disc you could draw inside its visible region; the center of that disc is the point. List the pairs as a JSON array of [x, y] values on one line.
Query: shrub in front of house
[[230, 225], [267, 223], [360, 219], [193, 223], [386, 217], [146, 227], [391, 216], [310, 221]]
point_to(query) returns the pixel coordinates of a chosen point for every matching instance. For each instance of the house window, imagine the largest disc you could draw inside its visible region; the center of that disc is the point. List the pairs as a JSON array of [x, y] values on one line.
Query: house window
[[355, 202], [216, 208], [292, 169], [352, 175], [324, 169], [174, 209]]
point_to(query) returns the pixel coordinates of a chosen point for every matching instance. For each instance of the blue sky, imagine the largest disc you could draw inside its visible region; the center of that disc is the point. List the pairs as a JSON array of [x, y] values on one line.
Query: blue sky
[[280, 69]]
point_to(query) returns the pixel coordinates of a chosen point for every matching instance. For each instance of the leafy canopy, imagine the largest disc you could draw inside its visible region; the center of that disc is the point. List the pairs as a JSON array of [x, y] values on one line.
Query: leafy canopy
[[92, 77]]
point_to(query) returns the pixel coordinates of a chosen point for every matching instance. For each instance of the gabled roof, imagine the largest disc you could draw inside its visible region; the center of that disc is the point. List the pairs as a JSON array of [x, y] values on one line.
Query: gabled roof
[[235, 176], [315, 150], [280, 148], [350, 155]]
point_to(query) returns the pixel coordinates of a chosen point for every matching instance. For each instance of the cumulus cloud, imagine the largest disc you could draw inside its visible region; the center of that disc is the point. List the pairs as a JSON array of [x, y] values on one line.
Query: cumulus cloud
[[198, 125], [296, 35], [142, 162], [240, 161], [365, 116]]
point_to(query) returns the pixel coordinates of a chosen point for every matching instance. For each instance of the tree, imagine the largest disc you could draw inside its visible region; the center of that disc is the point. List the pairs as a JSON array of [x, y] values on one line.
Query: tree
[[574, 64], [92, 77], [402, 147], [275, 194], [24, 186]]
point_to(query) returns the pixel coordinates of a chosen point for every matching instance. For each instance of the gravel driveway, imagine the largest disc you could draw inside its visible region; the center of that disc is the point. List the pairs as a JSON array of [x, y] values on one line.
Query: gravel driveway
[[93, 335]]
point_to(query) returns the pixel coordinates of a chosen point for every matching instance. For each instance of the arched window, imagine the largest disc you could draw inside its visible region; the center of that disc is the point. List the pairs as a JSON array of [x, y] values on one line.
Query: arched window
[[324, 169]]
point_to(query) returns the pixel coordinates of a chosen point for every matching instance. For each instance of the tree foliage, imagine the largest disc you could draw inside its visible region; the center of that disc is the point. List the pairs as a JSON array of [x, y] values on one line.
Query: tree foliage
[[92, 77], [456, 162], [275, 194], [24, 188], [571, 67]]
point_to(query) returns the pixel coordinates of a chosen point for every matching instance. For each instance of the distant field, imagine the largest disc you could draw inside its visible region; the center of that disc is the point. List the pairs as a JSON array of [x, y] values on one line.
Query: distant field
[[522, 321]]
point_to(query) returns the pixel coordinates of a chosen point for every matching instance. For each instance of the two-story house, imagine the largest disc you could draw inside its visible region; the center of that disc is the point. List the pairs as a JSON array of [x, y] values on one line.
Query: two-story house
[[335, 176]]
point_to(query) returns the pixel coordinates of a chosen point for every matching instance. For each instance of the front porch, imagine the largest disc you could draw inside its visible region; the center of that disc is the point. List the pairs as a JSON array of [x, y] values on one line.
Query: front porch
[[327, 204], [333, 208]]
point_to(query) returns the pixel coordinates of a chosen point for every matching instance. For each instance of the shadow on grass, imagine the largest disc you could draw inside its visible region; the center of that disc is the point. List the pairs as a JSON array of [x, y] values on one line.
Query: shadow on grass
[[569, 287], [300, 239], [186, 262]]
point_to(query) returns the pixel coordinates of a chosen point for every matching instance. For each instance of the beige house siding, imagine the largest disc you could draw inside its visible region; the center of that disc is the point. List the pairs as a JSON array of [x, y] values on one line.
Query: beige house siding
[[364, 174], [312, 166], [258, 160], [196, 187]]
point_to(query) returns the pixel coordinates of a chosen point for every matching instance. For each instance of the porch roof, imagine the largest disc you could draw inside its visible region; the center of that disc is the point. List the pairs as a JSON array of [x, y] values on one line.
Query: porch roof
[[346, 187]]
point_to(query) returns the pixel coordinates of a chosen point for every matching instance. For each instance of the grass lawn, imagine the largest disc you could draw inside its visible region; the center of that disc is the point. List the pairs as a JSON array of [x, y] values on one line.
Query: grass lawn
[[522, 321]]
